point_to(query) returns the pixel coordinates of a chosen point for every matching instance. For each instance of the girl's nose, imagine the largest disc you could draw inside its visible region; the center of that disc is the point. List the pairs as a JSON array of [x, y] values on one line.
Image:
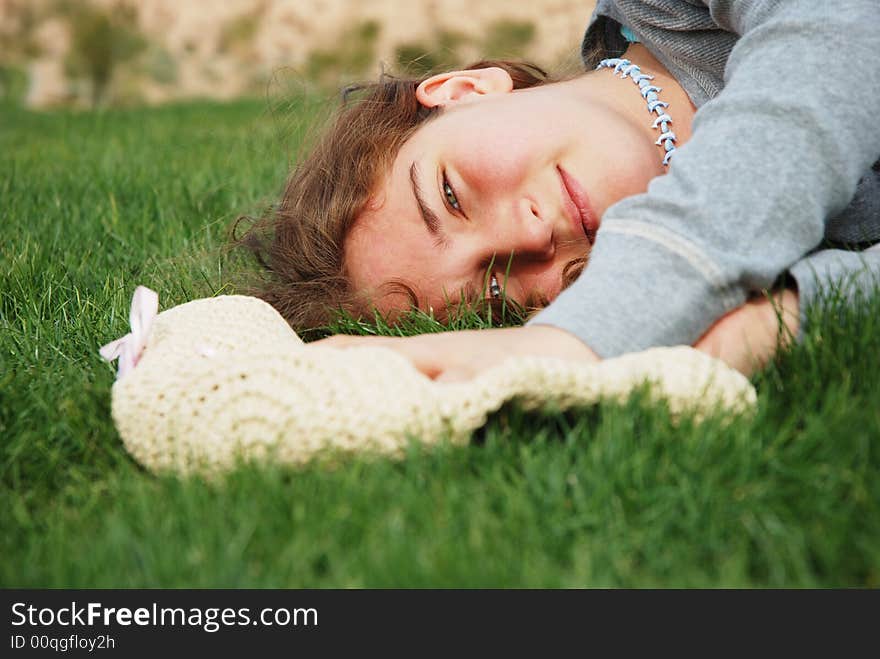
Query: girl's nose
[[522, 232]]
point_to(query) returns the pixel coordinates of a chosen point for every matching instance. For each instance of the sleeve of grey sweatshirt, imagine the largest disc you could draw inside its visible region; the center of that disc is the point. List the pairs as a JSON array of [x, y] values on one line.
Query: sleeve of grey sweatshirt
[[850, 275], [771, 157]]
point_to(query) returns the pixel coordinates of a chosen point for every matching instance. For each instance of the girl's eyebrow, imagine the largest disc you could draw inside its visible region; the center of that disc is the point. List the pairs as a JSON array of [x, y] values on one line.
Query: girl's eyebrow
[[429, 217]]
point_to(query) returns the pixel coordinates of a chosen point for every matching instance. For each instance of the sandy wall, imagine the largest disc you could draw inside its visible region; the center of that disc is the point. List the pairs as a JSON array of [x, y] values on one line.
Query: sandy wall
[[224, 49]]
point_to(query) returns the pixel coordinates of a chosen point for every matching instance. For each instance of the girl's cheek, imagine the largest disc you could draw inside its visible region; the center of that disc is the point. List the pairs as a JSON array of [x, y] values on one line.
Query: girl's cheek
[[498, 160]]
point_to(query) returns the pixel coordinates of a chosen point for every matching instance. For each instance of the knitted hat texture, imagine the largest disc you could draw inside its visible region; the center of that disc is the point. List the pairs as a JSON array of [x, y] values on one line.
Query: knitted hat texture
[[226, 379]]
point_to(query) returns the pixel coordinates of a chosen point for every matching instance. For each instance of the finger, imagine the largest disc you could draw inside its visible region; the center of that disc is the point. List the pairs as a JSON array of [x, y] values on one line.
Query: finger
[[335, 341], [424, 355], [454, 375], [346, 340], [711, 348]]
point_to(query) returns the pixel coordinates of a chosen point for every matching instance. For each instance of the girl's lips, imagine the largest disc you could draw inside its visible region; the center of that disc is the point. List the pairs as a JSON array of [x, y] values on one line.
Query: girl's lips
[[577, 203]]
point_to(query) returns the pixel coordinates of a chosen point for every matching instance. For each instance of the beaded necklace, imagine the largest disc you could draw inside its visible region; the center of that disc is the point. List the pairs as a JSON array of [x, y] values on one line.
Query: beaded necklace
[[649, 93]]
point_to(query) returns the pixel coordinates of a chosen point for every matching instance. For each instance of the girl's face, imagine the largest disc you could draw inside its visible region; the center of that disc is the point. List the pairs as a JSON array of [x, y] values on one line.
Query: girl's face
[[501, 189]]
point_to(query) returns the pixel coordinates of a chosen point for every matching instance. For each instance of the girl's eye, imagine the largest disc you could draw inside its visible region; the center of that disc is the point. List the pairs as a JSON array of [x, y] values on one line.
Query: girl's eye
[[494, 288], [451, 199]]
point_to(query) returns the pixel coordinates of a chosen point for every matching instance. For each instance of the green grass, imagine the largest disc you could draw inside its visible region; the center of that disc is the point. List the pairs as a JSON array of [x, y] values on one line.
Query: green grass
[[94, 204]]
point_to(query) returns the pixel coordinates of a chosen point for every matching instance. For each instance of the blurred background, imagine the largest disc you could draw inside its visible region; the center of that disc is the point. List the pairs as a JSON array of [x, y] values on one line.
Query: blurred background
[[95, 53]]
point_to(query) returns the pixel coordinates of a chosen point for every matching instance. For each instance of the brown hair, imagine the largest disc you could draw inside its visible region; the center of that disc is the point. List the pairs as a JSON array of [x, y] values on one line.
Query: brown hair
[[300, 242]]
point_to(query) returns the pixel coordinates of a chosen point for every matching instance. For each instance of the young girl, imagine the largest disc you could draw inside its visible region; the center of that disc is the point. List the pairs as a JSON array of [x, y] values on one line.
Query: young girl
[[713, 150]]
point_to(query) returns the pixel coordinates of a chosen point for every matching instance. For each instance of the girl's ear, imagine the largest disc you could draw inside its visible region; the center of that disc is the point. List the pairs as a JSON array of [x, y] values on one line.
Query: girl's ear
[[446, 89]]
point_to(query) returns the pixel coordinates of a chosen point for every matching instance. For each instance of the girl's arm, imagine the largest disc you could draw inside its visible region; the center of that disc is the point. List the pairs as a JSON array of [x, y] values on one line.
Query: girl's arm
[[850, 275], [774, 155], [746, 338], [749, 336]]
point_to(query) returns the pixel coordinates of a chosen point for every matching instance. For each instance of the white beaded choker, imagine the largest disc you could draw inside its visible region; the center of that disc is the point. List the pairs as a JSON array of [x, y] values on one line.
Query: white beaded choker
[[649, 93]]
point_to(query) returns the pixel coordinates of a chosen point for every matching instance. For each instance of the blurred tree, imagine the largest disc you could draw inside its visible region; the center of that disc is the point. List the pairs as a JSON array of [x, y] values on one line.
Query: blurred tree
[[17, 34], [415, 59], [238, 35], [352, 58], [508, 38], [101, 40], [419, 59], [18, 45], [13, 84]]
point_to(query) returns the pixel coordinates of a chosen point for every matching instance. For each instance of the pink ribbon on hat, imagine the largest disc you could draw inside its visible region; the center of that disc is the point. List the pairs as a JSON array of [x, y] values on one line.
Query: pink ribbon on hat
[[128, 349]]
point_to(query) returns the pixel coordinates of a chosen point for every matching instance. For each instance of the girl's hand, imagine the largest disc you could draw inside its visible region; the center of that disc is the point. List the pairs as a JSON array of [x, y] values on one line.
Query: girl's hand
[[748, 337], [455, 356]]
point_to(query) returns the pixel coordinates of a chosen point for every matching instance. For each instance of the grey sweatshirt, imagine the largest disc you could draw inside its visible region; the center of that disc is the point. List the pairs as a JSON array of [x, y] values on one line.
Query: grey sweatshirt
[[782, 163]]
